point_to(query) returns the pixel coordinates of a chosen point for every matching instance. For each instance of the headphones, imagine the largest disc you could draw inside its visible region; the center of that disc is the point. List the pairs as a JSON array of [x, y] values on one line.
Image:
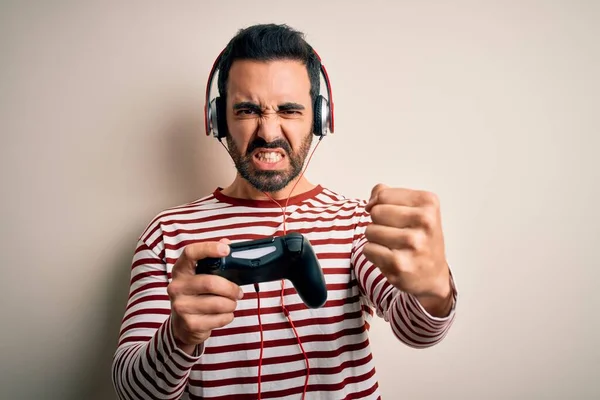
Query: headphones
[[215, 110]]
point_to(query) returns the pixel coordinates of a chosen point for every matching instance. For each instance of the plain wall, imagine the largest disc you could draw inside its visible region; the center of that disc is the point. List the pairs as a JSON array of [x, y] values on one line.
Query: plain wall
[[494, 106]]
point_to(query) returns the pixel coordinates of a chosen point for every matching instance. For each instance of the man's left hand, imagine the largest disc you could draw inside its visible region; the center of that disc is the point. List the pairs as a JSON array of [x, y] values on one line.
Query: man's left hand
[[406, 242]]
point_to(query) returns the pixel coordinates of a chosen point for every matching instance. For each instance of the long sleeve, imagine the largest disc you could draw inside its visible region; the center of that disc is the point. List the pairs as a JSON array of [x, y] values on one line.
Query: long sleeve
[[409, 321], [147, 364]]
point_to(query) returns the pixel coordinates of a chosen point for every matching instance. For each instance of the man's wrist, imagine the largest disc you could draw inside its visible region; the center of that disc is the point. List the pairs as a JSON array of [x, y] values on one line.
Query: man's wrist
[[189, 349], [439, 303]]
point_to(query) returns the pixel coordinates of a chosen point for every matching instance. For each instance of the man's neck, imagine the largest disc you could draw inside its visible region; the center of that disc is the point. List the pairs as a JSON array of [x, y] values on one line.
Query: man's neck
[[242, 189]]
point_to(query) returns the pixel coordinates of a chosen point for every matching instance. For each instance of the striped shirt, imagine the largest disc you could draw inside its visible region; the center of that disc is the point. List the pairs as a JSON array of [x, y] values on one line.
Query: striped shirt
[[148, 365]]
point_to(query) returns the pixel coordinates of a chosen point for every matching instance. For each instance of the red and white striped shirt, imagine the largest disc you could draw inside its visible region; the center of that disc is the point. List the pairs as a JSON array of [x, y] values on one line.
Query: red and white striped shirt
[[148, 365]]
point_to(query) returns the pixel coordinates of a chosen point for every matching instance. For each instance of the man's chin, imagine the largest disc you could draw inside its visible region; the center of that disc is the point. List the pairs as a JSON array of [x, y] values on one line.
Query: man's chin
[[268, 181], [269, 185]]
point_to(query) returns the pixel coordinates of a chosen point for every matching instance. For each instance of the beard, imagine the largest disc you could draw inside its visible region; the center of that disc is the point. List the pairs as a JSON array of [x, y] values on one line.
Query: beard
[[269, 181]]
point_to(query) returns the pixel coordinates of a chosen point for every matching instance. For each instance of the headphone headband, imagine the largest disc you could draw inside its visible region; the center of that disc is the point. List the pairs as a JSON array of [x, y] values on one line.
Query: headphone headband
[[323, 108]]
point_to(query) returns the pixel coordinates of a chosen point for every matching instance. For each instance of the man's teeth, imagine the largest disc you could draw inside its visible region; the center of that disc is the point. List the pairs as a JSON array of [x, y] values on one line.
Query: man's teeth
[[271, 156]]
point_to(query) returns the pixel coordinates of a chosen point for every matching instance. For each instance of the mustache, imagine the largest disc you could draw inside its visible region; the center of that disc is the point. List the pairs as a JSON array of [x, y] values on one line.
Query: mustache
[[260, 143]]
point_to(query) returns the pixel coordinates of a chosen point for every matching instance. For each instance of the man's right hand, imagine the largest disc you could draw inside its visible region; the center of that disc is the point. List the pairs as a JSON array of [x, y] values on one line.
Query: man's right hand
[[200, 303]]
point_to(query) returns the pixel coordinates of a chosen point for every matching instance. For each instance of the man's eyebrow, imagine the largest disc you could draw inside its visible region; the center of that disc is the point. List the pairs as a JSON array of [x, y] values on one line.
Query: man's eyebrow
[[246, 105], [290, 107]]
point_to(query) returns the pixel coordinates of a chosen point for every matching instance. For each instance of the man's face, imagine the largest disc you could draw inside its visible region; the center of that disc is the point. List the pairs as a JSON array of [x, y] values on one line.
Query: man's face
[[269, 116]]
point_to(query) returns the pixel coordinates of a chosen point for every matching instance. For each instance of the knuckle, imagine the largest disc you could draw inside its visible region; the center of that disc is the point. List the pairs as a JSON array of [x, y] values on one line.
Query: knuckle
[[207, 284], [178, 307], [193, 326], [384, 195], [411, 240], [173, 288], [188, 252], [378, 188], [402, 264], [430, 198], [197, 325], [426, 218], [419, 240], [415, 240], [397, 260]]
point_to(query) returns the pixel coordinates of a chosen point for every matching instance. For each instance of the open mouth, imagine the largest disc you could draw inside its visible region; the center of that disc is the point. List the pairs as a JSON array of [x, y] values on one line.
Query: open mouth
[[269, 156], [267, 159]]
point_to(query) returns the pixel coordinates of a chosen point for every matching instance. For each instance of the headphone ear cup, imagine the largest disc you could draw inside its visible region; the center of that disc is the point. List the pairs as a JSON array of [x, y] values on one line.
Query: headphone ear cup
[[220, 118], [213, 116], [317, 119], [321, 116]]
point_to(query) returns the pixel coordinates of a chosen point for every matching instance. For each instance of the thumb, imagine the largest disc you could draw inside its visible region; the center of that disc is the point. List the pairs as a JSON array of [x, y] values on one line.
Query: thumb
[[225, 240], [374, 195]]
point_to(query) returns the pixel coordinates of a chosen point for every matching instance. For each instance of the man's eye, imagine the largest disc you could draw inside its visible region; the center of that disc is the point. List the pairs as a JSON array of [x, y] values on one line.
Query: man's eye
[[246, 112]]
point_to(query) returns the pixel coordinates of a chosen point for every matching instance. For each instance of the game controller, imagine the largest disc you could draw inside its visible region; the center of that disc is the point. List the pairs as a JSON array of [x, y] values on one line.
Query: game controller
[[284, 257]]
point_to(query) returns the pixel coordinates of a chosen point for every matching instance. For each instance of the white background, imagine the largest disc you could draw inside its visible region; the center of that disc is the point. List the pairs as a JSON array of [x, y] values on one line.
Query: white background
[[493, 105]]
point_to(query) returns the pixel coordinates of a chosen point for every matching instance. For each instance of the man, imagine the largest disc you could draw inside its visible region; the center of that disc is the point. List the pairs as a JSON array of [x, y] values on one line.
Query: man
[[188, 335]]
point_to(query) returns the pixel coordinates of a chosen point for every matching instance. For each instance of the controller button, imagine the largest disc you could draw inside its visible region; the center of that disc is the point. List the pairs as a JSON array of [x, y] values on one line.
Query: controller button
[[294, 245]]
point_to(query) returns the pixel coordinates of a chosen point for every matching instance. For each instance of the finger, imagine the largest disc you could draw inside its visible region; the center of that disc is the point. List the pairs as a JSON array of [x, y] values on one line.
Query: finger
[[225, 240], [374, 194], [397, 216], [396, 238], [186, 264], [212, 285], [203, 304], [391, 263], [378, 255], [404, 197], [209, 322], [378, 188]]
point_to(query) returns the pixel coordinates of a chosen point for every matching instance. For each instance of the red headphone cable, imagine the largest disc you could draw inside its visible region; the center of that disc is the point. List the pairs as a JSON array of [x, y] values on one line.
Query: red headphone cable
[[283, 308]]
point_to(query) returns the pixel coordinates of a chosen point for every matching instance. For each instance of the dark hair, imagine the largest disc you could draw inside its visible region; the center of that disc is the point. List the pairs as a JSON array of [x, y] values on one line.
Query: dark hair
[[269, 42]]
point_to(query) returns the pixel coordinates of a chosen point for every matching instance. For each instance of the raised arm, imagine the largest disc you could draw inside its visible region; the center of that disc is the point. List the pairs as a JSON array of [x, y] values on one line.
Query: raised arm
[[397, 279]]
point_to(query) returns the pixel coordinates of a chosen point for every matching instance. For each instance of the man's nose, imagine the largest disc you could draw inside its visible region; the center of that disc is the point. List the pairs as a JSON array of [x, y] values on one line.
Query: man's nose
[[269, 127]]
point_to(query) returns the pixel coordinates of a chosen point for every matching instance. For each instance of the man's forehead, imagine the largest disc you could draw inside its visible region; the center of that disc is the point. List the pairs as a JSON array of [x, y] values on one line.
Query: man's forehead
[[262, 66], [283, 77]]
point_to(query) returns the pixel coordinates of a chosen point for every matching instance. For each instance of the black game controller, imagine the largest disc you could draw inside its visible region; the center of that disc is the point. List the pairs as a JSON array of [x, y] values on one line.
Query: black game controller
[[285, 257]]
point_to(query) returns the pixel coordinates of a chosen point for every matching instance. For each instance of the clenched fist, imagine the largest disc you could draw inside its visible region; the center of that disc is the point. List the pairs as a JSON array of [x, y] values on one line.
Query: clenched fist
[[200, 303], [405, 241]]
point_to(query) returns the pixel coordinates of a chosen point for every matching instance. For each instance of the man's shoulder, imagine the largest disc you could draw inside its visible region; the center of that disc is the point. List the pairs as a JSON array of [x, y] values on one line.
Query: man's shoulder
[[183, 211], [335, 197]]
